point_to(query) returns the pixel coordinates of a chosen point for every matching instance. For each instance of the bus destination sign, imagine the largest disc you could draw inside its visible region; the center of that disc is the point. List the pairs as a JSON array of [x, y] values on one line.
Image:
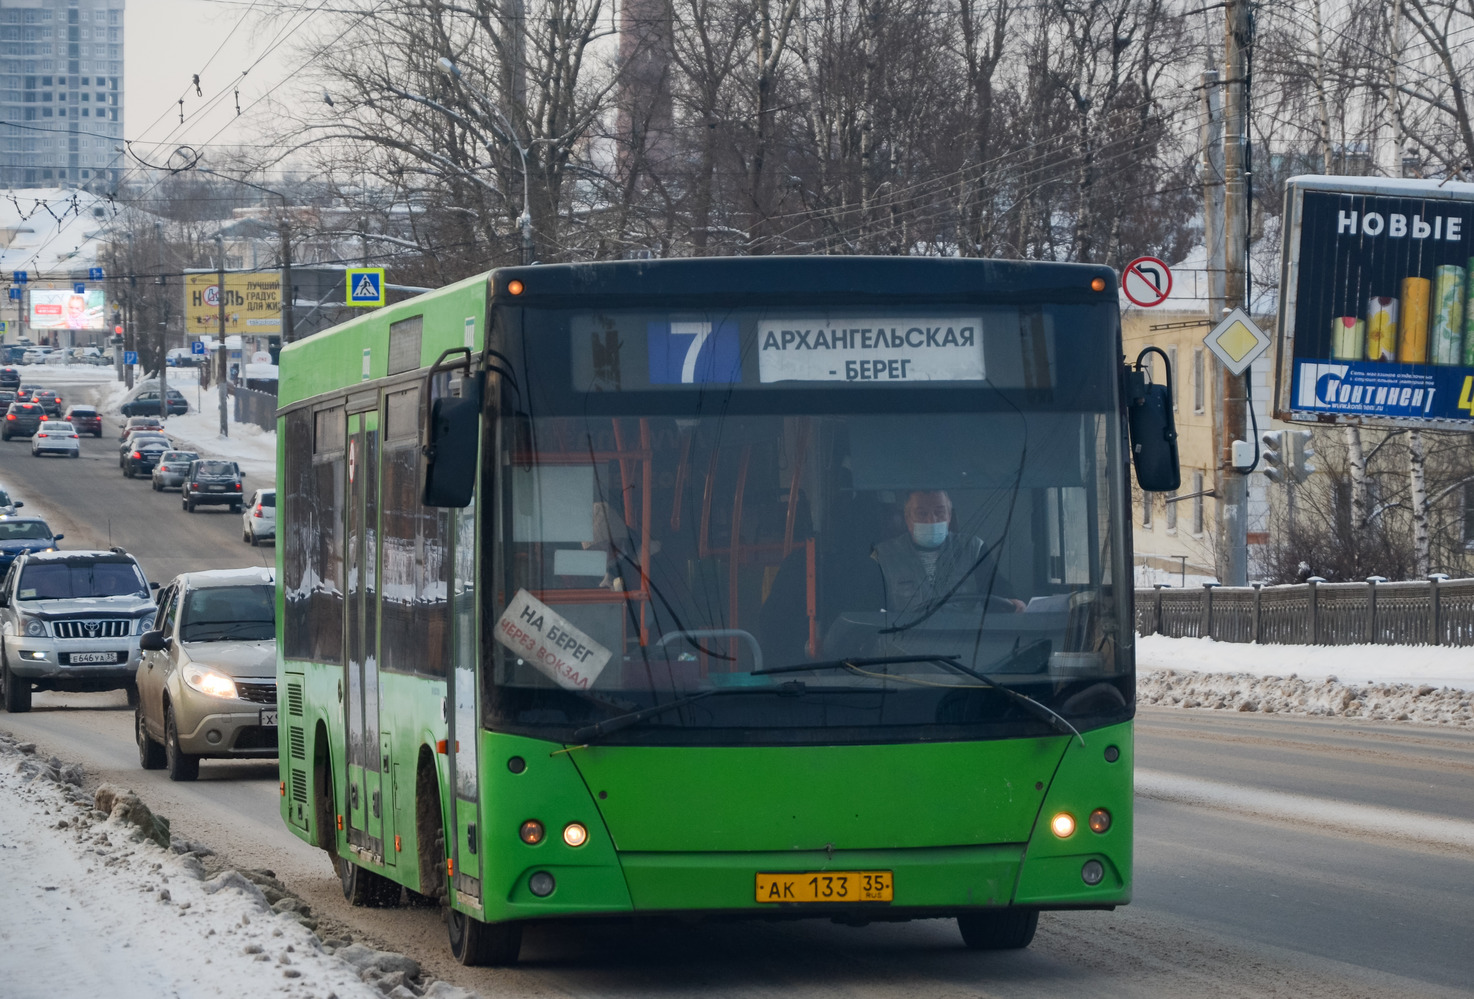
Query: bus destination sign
[[856, 349]]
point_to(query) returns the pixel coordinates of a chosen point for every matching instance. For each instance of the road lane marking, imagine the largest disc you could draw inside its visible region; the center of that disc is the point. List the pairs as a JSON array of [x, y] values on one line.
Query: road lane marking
[[1323, 813]]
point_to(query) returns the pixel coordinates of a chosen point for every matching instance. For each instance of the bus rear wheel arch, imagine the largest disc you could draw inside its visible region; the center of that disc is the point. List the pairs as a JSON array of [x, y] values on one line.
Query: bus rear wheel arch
[[998, 929]]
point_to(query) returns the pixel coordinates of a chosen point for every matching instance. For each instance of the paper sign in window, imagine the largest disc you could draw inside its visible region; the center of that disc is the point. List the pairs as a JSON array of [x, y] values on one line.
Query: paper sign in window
[[539, 635]]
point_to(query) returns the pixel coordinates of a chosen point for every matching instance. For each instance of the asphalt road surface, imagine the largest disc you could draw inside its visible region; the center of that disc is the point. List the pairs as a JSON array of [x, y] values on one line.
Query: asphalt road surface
[[1275, 856]]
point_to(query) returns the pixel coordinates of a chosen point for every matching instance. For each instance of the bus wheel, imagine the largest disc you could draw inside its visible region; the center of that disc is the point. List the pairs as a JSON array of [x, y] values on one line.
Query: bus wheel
[[365, 888], [999, 929], [478, 944]]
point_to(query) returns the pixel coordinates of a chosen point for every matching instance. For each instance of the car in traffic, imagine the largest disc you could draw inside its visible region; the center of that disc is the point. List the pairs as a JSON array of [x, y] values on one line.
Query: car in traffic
[[140, 423], [56, 437], [36, 355], [49, 400], [71, 621], [146, 402], [142, 452], [19, 535], [132, 437], [9, 504], [173, 466], [212, 481], [9, 378], [26, 392], [22, 419], [7, 396], [207, 676], [258, 522], [86, 419]]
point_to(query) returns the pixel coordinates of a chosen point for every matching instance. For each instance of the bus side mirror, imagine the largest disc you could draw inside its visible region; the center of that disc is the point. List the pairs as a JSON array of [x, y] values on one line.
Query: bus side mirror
[[1153, 431], [450, 447]]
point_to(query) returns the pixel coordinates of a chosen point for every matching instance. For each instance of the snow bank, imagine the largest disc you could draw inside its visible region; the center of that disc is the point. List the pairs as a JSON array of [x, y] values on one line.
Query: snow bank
[[1413, 683], [101, 908]]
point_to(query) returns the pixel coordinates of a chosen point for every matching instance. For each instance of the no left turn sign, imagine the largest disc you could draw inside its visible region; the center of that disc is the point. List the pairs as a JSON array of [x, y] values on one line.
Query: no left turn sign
[[1147, 281]]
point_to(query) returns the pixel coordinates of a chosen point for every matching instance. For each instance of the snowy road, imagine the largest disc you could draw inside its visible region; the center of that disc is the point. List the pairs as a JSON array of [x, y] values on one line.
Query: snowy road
[[1266, 864]]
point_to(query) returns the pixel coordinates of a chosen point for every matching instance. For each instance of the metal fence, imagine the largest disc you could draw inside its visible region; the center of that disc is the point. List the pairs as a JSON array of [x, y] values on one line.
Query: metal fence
[[1436, 611], [254, 407]]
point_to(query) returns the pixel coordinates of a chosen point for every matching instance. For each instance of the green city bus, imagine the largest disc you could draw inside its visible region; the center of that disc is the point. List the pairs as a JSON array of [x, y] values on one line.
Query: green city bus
[[766, 587]]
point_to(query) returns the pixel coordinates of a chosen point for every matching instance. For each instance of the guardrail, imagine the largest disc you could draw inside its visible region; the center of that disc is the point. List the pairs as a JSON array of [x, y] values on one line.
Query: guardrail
[[1435, 611]]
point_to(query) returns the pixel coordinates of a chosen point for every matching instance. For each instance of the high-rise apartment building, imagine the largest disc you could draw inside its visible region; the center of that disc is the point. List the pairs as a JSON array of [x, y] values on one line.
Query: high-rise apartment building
[[61, 93]]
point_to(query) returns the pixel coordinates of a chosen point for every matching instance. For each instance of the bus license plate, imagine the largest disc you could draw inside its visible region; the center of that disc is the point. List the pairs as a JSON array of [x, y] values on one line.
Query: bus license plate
[[268, 719], [825, 886]]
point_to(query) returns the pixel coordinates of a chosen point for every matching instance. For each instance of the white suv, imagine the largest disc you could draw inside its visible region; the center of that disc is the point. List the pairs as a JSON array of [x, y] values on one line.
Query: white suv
[[71, 620]]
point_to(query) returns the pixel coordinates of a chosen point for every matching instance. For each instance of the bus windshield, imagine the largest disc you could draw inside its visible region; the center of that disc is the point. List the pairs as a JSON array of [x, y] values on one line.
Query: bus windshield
[[818, 565]]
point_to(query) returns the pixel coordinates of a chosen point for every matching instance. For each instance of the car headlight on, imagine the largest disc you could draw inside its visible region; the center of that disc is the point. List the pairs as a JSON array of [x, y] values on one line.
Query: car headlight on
[[35, 627], [208, 681]]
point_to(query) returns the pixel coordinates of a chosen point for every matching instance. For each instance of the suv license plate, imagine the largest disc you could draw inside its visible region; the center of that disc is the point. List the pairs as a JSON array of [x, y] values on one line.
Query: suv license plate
[[93, 657], [268, 719], [826, 886]]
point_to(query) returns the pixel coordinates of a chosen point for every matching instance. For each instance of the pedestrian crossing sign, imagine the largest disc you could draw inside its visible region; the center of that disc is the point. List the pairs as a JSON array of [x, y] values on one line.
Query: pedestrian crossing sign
[[366, 286]]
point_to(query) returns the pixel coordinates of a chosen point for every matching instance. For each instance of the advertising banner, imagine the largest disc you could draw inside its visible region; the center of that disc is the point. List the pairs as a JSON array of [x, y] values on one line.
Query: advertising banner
[[67, 309], [1377, 314], [252, 303]]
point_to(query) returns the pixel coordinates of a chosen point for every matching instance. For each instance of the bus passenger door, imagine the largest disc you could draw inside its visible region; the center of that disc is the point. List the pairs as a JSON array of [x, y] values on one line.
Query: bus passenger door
[[463, 718], [366, 804]]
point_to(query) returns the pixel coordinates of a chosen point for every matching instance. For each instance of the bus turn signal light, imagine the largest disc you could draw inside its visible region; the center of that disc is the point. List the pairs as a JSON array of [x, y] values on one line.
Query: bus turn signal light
[[1063, 825], [531, 832], [514, 287], [1100, 820], [1098, 284]]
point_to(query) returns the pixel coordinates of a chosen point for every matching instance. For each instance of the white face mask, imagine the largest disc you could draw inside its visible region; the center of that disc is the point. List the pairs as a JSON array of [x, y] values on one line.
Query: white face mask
[[929, 535]]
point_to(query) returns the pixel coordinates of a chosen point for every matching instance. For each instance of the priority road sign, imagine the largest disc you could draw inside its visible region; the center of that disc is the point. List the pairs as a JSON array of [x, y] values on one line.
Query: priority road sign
[[1147, 281], [1237, 341], [365, 286]]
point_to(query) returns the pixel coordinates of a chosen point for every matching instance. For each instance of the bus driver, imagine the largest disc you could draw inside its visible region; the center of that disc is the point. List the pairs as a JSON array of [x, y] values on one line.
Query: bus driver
[[929, 564]]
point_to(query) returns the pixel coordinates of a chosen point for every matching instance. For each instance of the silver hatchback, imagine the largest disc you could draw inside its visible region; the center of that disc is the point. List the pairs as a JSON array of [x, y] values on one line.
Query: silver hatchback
[[173, 466], [207, 680]]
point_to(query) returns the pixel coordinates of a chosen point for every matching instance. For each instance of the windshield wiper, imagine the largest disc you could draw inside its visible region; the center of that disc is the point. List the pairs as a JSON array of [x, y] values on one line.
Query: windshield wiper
[[1056, 721], [611, 725]]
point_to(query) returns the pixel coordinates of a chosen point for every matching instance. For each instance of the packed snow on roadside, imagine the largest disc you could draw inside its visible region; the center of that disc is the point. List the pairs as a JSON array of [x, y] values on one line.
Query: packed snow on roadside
[[101, 901], [1407, 683]]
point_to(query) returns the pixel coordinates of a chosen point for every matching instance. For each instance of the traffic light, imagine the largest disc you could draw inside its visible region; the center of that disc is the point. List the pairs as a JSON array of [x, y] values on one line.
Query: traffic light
[[1301, 452], [1273, 455]]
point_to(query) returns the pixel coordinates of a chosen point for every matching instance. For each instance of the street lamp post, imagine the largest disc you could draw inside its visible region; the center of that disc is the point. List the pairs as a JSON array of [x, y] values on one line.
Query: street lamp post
[[525, 222], [220, 350]]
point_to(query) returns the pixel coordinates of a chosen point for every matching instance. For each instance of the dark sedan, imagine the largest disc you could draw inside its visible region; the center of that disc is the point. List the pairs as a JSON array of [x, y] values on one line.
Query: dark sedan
[[24, 534], [49, 400], [22, 419], [141, 454], [86, 419]]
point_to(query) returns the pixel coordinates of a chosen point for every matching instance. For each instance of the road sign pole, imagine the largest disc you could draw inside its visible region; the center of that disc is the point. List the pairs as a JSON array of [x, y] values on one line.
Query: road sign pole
[[220, 350], [1233, 505]]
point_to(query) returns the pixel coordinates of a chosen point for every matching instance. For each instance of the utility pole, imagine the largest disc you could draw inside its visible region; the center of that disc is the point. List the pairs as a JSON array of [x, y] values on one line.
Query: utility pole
[[288, 290], [220, 347], [1234, 485]]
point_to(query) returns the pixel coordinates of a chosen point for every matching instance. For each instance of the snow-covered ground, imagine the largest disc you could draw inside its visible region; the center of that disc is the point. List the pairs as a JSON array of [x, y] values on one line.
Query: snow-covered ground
[[1425, 684], [98, 901]]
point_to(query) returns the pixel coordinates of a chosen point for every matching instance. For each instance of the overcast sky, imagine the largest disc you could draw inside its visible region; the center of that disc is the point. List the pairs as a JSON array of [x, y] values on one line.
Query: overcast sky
[[168, 41]]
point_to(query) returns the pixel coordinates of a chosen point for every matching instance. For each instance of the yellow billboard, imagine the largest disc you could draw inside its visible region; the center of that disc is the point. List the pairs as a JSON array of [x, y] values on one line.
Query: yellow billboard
[[252, 303]]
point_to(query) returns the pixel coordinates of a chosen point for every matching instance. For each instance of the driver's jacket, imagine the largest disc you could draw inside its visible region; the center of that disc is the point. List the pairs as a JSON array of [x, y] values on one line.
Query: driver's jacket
[[909, 593]]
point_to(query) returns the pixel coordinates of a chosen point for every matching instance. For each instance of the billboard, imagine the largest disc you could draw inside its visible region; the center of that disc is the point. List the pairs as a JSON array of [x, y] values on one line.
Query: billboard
[[66, 309], [1377, 303], [252, 303]]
